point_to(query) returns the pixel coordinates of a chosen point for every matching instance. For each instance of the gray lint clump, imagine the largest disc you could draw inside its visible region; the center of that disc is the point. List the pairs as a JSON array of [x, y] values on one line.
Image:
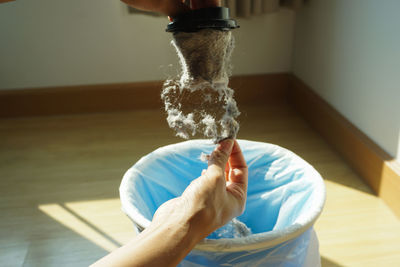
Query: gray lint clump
[[199, 102]]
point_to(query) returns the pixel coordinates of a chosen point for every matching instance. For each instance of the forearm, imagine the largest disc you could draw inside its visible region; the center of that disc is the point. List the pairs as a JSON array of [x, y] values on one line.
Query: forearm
[[158, 245], [164, 246]]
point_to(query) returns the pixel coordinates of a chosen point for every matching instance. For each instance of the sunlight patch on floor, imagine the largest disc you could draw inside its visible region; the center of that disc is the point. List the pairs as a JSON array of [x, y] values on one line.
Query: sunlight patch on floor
[[100, 221], [346, 237]]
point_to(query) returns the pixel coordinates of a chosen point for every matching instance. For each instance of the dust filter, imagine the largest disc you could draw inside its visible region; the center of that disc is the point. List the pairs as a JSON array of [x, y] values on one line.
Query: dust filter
[[285, 197], [199, 102]]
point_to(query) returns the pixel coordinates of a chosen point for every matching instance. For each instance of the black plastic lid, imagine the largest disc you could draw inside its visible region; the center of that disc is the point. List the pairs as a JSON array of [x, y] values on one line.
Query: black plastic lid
[[204, 18]]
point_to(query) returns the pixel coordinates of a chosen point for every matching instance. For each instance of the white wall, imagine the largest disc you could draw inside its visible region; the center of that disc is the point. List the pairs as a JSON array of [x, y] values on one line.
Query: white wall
[[349, 52], [53, 42]]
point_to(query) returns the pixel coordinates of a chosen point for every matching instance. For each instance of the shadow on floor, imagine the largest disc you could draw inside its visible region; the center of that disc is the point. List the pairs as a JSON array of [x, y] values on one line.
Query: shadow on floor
[[42, 241]]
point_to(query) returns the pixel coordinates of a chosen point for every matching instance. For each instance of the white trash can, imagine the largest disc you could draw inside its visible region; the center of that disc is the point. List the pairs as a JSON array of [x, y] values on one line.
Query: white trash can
[[285, 197]]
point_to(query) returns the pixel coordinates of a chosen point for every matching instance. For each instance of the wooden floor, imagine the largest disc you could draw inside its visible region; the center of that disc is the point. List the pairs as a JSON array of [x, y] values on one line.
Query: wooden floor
[[59, 179]]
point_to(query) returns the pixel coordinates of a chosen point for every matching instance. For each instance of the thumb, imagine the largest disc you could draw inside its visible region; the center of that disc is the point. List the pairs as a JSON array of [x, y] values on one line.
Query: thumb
[[219, 157]]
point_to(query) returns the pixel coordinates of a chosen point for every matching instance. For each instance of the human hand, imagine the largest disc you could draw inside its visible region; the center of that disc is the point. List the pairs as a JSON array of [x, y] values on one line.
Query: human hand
[[208, 203], [196, 4], [214, 198], [170, 7]]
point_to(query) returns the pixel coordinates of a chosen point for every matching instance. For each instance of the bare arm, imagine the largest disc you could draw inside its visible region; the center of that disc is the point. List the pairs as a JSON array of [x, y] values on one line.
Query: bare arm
[[158, 245], [208, 203]]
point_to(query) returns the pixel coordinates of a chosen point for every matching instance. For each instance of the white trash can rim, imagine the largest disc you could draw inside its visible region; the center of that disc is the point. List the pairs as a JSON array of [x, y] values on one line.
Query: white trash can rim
[[269, 164]]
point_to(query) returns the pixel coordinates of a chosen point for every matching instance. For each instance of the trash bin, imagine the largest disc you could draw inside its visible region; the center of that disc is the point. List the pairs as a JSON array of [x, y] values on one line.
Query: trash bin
[[285, 197]]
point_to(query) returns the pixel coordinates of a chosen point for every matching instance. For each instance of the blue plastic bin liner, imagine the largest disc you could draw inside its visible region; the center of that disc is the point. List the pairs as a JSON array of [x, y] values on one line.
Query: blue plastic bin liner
[[285, 197]]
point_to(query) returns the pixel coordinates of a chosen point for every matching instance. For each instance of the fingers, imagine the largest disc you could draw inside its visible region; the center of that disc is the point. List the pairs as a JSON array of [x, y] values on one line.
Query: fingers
[[238, 166], [175, 7], [166, 7], [196, 4], [238, 176], [227, 169], [236, 159], [219, 157], [228, 159]]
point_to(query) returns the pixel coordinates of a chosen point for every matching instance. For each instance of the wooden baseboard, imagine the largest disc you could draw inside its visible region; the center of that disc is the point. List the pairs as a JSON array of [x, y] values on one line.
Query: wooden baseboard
[[379, 170], [260, 89], [79, 99], [249, 89]]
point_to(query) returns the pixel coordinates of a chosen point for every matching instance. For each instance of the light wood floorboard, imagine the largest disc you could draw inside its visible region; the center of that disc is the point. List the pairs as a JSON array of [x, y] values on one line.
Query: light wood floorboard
[[59, 179]]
